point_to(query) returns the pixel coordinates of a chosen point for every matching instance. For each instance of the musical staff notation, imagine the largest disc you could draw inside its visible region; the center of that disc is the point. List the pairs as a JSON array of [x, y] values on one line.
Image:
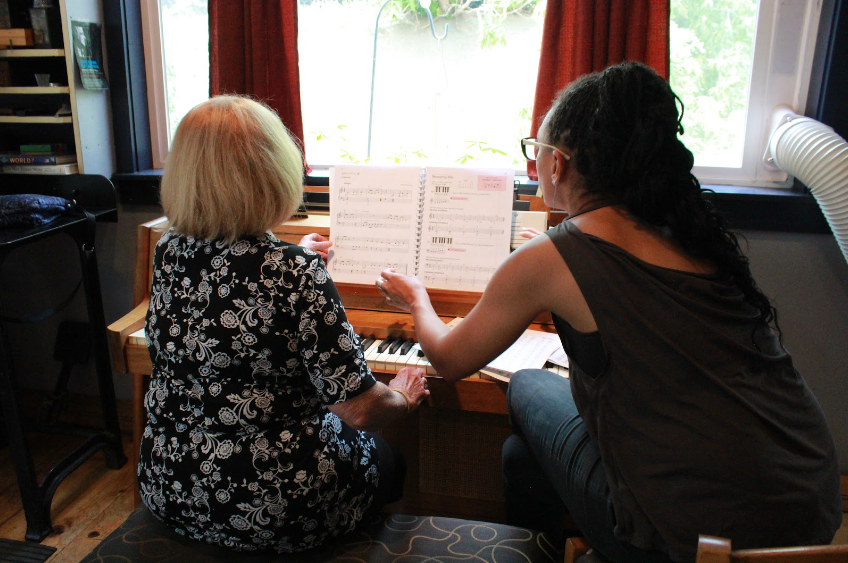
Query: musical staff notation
[[372, 220], [466, 218], [373, 244], [360, 267], [476, 230], [375, 195], [456, 274]]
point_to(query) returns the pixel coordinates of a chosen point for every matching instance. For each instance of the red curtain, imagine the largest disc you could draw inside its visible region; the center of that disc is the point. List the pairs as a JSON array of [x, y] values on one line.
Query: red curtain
[[582, 36], [253, 50]]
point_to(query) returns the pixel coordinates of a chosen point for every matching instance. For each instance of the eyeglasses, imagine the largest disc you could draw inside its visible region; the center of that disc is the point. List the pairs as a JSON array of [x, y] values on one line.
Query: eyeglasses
[[532, 142]]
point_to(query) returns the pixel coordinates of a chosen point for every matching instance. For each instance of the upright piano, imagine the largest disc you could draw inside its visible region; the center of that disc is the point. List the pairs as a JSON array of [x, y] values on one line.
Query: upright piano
[[452, 444]]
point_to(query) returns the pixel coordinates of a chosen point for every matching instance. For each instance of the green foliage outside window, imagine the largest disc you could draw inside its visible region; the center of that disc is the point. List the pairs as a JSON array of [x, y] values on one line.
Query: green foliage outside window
[[491, 14], [712, 45]]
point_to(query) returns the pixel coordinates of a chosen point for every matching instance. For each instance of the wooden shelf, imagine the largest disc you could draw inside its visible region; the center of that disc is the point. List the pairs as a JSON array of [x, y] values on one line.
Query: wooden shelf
[[12, 53], [35, 119], [34, 90]]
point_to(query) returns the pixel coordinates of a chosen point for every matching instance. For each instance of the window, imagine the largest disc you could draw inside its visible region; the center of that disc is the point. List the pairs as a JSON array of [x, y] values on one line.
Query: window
[[176, 53], [733, 62], [466, 97]]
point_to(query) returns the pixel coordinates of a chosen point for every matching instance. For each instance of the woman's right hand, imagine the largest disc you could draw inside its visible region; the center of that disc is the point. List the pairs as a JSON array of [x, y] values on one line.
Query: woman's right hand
[[412, 384], [401, 291]]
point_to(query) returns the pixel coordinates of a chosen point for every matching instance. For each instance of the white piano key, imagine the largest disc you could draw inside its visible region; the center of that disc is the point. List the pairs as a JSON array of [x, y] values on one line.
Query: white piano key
[[394, 356], [382, 357], [372, 353], [407, 359]]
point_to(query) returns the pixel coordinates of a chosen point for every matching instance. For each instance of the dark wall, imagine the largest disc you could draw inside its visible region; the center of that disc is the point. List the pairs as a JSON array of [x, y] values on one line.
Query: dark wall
[[828, 97]]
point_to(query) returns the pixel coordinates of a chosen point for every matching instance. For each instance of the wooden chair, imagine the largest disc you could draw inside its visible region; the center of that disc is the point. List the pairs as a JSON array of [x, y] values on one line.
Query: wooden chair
[[574, 548], [717, 550]]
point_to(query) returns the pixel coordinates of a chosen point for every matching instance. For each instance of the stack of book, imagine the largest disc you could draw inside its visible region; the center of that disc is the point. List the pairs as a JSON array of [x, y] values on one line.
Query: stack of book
[[39, 159]]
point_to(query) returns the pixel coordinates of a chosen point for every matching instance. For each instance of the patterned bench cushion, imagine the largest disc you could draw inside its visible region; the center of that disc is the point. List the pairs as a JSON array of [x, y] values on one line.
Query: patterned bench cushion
[[395, 538]]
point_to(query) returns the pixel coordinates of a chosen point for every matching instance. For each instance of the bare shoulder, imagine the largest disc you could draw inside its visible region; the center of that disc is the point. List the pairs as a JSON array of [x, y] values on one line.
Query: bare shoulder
[[542, 277], [537, 258]]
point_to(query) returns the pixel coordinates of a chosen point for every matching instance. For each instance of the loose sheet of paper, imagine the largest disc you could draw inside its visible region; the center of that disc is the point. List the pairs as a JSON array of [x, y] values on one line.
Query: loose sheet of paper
[[377, 208], [466, 226], [559, 357], [531, 350]]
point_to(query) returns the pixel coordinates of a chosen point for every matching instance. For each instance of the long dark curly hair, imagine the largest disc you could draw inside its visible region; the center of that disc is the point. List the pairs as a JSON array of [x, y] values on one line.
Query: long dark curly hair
[[622, 126]]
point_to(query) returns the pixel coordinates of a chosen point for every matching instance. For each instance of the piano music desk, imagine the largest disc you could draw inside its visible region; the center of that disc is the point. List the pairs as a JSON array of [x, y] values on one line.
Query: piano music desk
[[452, 446]]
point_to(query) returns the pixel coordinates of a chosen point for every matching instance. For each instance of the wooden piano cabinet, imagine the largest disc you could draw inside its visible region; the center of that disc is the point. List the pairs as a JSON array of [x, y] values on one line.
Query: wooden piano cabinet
[[452, 445], [453, 463]]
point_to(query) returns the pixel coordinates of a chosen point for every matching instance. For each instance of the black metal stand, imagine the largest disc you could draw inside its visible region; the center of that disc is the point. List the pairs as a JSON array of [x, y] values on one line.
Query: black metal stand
[[96, 195]]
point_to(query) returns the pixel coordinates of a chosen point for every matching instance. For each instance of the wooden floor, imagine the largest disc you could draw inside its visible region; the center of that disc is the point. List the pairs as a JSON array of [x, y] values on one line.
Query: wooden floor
[[93, 500], [89, 504]]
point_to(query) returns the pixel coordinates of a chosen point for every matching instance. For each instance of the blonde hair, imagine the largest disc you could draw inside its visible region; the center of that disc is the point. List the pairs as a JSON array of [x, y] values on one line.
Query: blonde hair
[[233, 170]]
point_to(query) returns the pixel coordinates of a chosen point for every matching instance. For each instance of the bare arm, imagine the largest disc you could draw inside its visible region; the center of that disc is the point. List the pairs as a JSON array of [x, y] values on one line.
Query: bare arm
[[383, 404], [528, 283]]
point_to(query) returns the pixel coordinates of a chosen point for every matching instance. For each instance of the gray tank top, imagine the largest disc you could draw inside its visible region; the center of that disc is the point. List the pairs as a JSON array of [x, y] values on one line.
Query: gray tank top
[[703, 424]]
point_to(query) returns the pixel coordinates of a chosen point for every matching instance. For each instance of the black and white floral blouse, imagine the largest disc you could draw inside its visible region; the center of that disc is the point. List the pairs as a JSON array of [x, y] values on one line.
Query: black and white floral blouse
[[250, 343]]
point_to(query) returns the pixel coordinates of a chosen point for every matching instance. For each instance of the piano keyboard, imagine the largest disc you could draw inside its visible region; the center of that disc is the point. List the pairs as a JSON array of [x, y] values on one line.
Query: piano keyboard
[[386, 355]]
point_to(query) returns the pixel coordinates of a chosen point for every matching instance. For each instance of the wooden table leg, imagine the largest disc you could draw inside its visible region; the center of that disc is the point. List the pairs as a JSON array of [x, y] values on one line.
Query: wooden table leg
[[139, 389]]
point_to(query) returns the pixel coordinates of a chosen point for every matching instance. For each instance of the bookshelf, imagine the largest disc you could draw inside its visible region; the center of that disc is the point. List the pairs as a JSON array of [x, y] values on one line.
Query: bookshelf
[[87, 131], [35, 90], [35, 119]]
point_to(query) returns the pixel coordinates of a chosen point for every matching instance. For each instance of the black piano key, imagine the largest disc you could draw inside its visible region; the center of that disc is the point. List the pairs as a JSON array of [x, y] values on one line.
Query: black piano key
[[367, 343], [420, 353], [385, 344], [395, 345], [404, 350]]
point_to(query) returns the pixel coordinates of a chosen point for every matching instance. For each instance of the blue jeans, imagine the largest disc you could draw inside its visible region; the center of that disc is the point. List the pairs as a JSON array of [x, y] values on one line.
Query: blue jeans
[[552, 467]]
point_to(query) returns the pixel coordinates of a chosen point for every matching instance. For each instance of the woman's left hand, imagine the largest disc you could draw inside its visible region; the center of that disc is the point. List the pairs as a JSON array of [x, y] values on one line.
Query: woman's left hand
[[401, 291], [529, 232], [317, 243]]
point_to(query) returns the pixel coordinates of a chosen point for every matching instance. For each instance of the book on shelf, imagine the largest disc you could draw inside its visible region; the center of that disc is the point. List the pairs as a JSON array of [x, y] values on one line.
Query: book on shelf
[[16, 37], [449, 226], [36, 159], [47, 169], [44, 148]]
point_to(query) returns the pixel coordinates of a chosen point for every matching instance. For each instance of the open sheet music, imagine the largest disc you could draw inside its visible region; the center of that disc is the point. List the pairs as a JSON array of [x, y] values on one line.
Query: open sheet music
[[449, 226], [532, 350]]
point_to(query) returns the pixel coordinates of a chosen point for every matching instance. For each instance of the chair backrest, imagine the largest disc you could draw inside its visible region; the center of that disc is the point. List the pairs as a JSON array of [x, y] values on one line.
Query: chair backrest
[[148, 234], [718, 550], [146, 237]]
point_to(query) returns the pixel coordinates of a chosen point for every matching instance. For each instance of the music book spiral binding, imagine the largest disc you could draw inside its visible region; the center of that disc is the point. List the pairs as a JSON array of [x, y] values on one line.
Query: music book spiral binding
[[450, 226]]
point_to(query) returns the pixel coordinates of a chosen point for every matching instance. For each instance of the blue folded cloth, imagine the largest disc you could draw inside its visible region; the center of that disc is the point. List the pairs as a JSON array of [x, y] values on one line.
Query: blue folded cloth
[[31, 210]]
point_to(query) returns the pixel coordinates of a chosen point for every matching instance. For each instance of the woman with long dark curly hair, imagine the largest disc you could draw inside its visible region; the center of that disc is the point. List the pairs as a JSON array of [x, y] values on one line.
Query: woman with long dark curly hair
[[684, 414]]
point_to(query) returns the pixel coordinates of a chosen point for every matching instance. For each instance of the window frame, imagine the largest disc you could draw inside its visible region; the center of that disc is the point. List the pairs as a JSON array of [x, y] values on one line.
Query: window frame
[[154, 66]]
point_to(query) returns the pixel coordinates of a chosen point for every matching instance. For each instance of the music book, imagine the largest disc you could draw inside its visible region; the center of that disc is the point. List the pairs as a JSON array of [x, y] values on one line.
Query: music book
[[451, 227], [532, 350]]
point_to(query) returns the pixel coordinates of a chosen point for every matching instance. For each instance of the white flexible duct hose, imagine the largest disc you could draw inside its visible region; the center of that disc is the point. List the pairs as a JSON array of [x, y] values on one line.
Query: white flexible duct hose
[[818, 157]]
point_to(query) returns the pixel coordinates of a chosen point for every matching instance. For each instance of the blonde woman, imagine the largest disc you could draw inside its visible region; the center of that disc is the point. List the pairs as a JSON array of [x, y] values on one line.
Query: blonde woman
[[260, 396]]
